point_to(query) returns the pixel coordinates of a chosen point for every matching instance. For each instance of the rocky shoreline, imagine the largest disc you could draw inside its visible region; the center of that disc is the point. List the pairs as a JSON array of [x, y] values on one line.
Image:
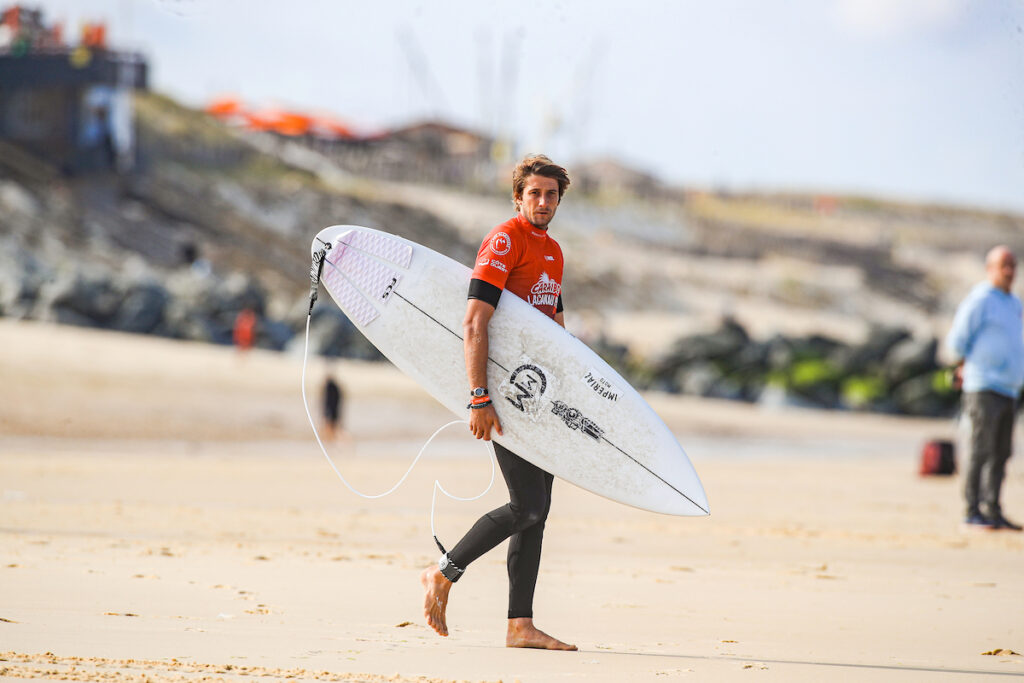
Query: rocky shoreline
[[891, 371], [215, 222]]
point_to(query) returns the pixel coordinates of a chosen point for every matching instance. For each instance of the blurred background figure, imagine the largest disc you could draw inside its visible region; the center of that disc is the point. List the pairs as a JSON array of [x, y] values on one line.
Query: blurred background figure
[[333, 400], [245, 329], [988, 339]]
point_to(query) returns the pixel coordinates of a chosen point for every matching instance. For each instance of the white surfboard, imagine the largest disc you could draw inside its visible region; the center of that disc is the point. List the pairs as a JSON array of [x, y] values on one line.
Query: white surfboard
[[561, 406]]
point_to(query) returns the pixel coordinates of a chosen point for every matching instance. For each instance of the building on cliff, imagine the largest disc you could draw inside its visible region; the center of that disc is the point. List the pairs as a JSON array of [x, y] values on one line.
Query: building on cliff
[[65, 107]]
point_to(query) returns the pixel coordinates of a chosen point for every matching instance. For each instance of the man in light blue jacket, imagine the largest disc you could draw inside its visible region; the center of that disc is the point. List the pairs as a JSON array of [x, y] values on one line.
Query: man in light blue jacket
[[988, 339]]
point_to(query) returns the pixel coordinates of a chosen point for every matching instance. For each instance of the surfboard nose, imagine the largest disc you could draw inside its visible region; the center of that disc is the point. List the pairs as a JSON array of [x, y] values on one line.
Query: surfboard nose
[[687, 500], [691, 506]]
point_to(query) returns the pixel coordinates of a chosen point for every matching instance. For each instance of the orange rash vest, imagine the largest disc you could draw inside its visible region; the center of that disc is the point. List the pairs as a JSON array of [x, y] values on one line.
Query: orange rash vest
[[517, 257]]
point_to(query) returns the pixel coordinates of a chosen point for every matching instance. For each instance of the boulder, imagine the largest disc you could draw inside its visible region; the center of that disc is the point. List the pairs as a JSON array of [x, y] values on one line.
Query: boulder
[[273, 334], [780, 353], [869, 356], [239, 291], [22, 276], [333, 334], [752, 358], [697, 379], [142, 309], [910, 358], [778, 396], [81, 296], [919, 396], [187, 315], [726, 341], [15, 199]]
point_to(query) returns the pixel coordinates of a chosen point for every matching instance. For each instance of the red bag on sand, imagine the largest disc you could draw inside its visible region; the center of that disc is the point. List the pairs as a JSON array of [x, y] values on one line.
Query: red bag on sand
[[937, 457]]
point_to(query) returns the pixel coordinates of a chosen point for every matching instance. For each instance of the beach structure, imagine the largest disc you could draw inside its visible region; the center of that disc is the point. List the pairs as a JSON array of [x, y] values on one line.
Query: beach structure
[[65, 107]]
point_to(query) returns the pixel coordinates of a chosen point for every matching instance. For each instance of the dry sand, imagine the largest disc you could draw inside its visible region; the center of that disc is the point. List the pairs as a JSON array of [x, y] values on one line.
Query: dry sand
[[166, 515]]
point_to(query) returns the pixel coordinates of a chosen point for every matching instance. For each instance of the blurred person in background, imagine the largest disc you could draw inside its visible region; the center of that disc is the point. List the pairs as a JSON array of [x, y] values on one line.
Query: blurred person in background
[[987, 339], [244, 332], [333, 400]]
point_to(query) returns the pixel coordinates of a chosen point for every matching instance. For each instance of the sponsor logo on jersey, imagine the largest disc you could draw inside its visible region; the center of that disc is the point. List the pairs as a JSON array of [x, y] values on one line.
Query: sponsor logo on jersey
[[601, 386], [545, 292], [549, 257], [495, 263], [483, 262], [574, 419], [501, 243]]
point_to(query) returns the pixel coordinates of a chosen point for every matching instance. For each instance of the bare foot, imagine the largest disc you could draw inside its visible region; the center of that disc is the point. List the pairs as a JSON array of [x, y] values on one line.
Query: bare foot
[[435, 600], [522, 633]]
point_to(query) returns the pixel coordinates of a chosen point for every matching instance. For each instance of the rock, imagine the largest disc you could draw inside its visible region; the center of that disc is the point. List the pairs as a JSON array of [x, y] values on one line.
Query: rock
[[22, 276], [910, 358], [824, 395], [238, 292], [727, 341], [752, 358], [697, 378], [273, 334], [782, 352], [708, 380], [204, 306], [333, 334], [919, 396], [815, 346], [142, 310], [83, 296], [187, 315], [813, 379], [868, 357], [728, 388], [865, 393], [777, 396], [16, 199]]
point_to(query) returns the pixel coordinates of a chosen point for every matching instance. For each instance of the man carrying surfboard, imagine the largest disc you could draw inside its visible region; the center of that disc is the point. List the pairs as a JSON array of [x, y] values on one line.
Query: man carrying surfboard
[[518, 256]]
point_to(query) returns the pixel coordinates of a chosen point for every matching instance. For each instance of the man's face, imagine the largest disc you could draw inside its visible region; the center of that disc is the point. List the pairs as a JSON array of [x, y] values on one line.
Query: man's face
[[539, 200], [1001, 270]]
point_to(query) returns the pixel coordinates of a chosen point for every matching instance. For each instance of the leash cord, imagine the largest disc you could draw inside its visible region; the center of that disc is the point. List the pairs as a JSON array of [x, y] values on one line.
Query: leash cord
[[437, 484]]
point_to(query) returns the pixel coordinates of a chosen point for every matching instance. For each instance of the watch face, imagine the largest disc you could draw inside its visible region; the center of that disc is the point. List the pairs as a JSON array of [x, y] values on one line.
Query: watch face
[[480, 391]]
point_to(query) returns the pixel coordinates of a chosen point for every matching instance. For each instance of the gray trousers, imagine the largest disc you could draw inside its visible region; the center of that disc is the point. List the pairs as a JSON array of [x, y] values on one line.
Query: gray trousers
[[992, 416]]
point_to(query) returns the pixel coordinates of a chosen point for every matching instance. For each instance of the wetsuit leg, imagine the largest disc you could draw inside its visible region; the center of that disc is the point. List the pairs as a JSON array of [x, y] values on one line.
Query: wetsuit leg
[[529, 489]]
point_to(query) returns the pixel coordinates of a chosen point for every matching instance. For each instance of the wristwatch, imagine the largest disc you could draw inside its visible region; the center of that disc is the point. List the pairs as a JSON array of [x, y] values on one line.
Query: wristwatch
[[478, 392]]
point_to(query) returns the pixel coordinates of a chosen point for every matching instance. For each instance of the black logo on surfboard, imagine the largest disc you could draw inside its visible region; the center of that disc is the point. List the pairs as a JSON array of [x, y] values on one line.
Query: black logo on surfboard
[[574, 419], [526, 385], [390, 288]]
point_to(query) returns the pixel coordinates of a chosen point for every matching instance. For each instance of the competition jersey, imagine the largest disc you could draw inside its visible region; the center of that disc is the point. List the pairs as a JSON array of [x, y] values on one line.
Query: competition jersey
[[524, 260]]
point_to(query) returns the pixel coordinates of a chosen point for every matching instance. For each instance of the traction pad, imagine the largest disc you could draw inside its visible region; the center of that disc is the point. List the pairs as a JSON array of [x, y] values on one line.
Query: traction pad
[[358, 282]]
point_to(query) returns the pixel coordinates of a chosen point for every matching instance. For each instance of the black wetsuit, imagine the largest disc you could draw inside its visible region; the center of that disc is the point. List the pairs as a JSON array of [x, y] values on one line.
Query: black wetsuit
[[522, 519]]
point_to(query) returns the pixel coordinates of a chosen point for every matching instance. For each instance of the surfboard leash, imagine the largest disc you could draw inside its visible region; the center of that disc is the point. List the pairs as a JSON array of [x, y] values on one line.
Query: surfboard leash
[[316, 271], [315, 274]]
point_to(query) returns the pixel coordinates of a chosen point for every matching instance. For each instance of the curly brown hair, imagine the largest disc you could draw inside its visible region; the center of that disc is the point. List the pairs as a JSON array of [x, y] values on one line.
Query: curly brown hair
[[537, 164]]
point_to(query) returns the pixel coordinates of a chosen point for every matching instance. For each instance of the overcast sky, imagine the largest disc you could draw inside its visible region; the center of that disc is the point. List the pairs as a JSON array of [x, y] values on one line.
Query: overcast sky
[[916, 99]]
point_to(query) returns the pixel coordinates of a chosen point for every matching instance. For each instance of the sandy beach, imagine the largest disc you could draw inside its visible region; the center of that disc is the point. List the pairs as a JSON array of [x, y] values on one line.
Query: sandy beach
[[166, 515]]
